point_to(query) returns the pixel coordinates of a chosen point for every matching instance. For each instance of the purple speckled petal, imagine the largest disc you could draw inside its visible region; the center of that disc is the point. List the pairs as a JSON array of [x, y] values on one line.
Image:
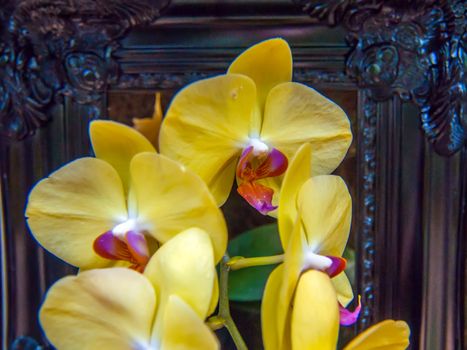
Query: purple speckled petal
[[348, 318], [138, 247]]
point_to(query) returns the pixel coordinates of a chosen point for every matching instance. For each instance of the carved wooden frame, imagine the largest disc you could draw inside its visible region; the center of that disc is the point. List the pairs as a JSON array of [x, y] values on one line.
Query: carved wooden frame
[[58, 59]]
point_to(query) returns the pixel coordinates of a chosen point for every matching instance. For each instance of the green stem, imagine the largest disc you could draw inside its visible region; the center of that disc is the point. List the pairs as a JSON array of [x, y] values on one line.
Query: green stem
[[238, 262], [224, 308]]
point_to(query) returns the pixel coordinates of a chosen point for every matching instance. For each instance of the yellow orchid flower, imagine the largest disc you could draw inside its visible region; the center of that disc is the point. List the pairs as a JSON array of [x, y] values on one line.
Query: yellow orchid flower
[[117, 208], [297, 185], [313, 240], [312, 319], [120, 309], [249, 122], [150, 127]]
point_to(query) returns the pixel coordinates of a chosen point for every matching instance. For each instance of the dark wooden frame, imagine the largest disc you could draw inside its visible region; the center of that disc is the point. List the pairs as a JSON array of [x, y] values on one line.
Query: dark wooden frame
[[59, 58]]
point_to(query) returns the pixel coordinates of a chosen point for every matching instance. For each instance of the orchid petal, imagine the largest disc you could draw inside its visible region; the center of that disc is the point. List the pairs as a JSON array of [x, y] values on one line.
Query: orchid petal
[[343, 288], [258, 196], [326, 209], [117, 143], [207, 126], [348, 318], [184, 266], [315, 315], [296, 114], [215, 296], [298, 172], [184, 330], [268, 63], [269, 309], [68, 210], [104, 309], [150, 127], [386, 335], [293, 261], [171, 198]]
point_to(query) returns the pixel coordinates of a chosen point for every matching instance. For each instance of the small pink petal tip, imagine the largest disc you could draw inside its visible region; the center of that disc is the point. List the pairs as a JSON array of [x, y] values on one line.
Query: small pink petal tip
[[348, 318]]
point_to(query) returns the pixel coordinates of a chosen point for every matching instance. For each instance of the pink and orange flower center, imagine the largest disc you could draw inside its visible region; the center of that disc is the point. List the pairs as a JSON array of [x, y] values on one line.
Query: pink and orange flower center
[[131, 246], [258, 162]]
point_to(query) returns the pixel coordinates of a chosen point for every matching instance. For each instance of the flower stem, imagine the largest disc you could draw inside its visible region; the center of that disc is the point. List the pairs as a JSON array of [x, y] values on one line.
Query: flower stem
[[224, 307], [238, 262]]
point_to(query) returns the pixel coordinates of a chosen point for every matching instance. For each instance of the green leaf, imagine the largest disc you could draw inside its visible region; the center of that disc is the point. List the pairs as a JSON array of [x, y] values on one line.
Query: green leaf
[[248, 284]]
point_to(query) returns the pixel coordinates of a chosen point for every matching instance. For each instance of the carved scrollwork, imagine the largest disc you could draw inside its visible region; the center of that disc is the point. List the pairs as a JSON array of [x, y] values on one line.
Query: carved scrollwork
[[51, 48], [415, 49], [176, 81]]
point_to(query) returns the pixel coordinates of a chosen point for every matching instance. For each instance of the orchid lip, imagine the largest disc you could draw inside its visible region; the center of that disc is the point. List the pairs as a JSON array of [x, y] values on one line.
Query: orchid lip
[[258, 196], [348, 318], [331, 265], [130, 246], [257, 165]]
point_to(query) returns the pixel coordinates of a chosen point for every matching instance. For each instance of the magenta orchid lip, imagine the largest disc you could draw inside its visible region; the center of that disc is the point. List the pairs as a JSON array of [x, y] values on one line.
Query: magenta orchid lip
[[257, 165]]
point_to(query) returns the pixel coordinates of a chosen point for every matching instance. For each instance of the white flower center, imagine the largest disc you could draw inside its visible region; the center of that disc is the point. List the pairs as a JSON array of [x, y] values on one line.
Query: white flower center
[[316, 261], [258, 146], [141, 345], [124, 227]]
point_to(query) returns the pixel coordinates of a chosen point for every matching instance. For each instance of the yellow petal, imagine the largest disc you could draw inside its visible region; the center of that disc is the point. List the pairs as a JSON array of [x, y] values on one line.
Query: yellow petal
[[206, 127], [106, 309], [150, 127], [315, 315], [326, 212], [343, 289], [184, 266], [296, 114], [269, 309], [68, 210], [221, 184], [184, 329], [215, 296], [117, 144], [170, 198], [386, 335], [293, 261], [297, 173], [268, 63]]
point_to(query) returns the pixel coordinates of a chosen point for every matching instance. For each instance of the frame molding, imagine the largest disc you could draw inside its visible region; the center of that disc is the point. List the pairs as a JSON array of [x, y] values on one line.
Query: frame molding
[[59, 58]]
